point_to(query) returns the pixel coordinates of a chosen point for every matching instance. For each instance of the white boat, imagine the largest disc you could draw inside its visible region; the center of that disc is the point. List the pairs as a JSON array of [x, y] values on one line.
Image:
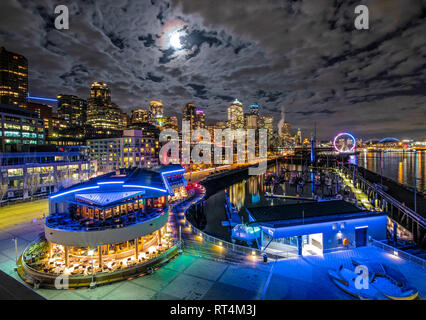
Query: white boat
[[345, 280], [389, 281]]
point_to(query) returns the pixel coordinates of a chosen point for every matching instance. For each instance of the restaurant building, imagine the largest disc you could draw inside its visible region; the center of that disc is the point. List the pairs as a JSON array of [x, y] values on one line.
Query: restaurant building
[[112, 223]]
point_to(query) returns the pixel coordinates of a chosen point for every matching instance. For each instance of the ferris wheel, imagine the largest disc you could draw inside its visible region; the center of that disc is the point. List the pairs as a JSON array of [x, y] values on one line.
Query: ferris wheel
[[344, 142]]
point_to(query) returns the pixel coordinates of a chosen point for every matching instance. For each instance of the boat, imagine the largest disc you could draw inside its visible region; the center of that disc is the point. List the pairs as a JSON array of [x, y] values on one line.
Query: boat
[[283, 196], [388, 280], [344, 279]]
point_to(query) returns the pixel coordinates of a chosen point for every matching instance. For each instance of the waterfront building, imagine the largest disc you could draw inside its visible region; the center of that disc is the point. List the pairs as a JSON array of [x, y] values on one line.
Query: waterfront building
[[102, 113], [19, 129], [13, 78], [317, 227], [156, 113], [139, 116], [34, 174], [72, 109], [235, 115], [119, 220], [132, 149]]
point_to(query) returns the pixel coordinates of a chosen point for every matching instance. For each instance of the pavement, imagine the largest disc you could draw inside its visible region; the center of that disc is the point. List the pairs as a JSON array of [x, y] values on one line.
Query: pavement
[[199, 276], [196, 275], [15, 214]]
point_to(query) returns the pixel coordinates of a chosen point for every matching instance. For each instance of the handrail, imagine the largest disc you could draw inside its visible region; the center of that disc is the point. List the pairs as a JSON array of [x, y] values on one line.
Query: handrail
[[400, 253], [396, 203], [151, 215], [232, 246]]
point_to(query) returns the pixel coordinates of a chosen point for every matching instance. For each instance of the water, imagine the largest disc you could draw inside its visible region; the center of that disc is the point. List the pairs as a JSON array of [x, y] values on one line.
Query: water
[[398, 166], [249, 193]]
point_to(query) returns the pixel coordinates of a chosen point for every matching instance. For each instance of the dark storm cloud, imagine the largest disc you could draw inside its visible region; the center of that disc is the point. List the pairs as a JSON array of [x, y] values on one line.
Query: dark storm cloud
[[301, 59]]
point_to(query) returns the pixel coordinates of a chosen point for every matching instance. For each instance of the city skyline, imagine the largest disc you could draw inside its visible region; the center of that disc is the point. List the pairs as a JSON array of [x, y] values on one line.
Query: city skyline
[[339, 80]]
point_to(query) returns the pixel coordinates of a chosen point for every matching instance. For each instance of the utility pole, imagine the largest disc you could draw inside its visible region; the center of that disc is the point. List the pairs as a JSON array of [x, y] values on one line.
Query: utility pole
[[415, 181]]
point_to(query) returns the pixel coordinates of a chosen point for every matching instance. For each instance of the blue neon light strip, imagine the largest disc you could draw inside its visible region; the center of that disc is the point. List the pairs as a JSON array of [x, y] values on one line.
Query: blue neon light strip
[[174, 171], [43, 99], [111, 182], [71, 191], [144, 187]]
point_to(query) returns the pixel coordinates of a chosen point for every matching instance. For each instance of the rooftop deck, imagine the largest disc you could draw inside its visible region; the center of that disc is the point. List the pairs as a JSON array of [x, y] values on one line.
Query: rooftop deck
[[65, 222]]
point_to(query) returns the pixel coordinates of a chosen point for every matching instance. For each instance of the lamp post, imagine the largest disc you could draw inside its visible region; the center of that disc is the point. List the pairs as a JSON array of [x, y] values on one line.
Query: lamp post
[[93, 283], [16, 251]]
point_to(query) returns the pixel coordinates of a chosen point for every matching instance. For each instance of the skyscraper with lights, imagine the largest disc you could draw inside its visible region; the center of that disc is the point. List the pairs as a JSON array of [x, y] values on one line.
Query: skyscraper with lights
[[13, 78]]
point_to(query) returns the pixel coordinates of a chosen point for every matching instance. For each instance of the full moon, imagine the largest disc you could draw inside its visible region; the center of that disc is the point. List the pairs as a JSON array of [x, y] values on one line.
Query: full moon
[[175, 40]]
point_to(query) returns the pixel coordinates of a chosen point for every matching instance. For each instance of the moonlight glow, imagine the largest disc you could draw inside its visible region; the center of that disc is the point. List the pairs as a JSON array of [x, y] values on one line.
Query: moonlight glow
[[175, 40]]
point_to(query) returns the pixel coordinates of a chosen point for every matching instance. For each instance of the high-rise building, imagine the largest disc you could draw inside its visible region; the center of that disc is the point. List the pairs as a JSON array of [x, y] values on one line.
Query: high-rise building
[[199, 119], [133, 149], [20, 129], [236, 115], [72, 110], [251, 121], [189, 114], [103, 114], [299, 136], [172, 123], [13, 78], [254, 109], [286, 129], [139, 116], [267, 122], [156, 113], [221, 125], [125, 120]]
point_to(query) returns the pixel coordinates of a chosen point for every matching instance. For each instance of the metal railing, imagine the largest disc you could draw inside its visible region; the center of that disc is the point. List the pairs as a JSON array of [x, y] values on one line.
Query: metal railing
[[232, 246], [397, 252], [404, 209]]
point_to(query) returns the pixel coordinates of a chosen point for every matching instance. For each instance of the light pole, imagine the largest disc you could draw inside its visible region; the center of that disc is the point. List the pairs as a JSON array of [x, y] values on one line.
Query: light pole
[[16, 250], [93, 283], [415, 181]]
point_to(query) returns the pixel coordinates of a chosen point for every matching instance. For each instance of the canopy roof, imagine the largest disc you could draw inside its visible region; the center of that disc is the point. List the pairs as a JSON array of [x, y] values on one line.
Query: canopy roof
[[123, 184]]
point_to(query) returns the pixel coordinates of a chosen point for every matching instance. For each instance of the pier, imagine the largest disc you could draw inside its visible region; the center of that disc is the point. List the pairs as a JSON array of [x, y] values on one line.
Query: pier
[[394, 200]]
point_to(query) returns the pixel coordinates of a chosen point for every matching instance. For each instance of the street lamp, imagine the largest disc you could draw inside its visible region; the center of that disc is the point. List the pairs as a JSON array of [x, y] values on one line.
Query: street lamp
[[91, 252], [16, 251]]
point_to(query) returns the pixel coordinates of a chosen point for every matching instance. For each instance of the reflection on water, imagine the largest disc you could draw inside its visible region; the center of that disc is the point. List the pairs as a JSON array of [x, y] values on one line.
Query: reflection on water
[[398, 166], [251, 193]]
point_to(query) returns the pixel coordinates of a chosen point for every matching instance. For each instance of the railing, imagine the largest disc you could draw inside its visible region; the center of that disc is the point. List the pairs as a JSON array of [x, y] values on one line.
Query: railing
[[397, 252], [404, 209], [63, 222], [236, 247], [232, 246]]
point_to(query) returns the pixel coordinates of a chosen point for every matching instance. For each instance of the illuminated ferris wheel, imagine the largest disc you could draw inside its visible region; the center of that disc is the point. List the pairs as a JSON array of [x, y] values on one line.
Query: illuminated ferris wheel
[[344, 142]]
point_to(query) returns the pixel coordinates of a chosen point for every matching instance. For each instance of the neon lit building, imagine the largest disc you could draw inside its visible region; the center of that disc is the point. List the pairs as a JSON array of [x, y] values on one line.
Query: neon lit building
[[112, 225]]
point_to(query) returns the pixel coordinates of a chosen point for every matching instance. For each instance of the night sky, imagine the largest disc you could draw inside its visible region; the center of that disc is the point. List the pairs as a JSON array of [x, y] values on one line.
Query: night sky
[[303, 59]]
